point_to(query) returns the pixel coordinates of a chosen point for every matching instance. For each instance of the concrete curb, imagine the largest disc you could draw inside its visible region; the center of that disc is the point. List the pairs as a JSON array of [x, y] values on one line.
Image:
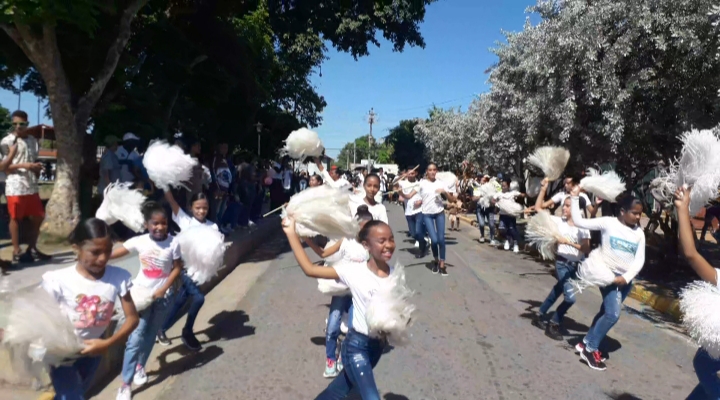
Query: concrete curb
[[243, 243], [659, 302]]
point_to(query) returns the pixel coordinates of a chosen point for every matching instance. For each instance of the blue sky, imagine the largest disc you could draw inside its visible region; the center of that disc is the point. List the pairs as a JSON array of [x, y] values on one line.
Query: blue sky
[[449, 72]]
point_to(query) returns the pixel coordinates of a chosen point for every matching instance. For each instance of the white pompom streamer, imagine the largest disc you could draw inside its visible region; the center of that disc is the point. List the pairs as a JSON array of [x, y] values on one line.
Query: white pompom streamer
[[389, 313], [168, 166], [323, 211], [203, 249], [487, 192], [122, 203], [533, 187], [551, 160], [543, 232], [449, 179], [303, 143], [699, 304], [596, 270], [36, 322], [514, 186], [507, 204], [608, 185], [332, 287]]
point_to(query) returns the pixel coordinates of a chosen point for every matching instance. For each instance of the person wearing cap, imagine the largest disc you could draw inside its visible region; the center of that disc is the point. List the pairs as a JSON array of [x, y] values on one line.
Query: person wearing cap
[[334, 177], [127, 154], [110, 168]]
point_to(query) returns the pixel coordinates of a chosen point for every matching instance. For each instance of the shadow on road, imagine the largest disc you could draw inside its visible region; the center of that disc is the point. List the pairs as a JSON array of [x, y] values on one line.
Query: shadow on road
[[228, 325], [622, 396], [189, 360], [318, 340]]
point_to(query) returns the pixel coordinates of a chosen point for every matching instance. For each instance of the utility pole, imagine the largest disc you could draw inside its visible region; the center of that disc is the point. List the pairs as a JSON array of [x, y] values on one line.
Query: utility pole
[[354, 148], [372, 118]]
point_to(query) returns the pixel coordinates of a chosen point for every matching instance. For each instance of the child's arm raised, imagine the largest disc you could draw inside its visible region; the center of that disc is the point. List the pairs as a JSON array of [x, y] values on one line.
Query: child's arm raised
[[310, 269]]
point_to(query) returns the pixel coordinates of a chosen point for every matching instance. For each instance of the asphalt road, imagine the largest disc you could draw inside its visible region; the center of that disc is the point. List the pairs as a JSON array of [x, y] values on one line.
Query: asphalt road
[[472, 338]]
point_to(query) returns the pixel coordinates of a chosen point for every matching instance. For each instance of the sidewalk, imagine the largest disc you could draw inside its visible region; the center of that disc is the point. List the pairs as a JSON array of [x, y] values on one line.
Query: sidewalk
[[243, 242]]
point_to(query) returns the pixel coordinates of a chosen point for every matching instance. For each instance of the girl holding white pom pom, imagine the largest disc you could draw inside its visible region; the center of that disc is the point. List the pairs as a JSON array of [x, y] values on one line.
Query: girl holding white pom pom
[[160, 265], [199, 206], [372, 188], [351, 252], [87, 292], [706, 368], [623, 249], [509, 220], [364, 351], [570, 252]]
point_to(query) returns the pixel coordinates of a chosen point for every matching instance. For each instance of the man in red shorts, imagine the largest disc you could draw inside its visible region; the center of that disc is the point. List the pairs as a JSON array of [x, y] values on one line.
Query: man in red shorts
[[21, 188]]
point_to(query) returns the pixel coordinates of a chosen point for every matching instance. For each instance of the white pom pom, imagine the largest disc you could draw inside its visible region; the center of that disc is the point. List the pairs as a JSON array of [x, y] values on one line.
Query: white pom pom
[[487, 191], [514, 186], [594, 271], [324, 211], [142, 297], [699, 167], [533, 186], [36, 320], [332, 287], [122, 203], [507, 204], [203, 249], [551, 160], [608, 185], [389, 312], [700, 303], [543, 232], [168, 166], [449, 179], [303, 143]]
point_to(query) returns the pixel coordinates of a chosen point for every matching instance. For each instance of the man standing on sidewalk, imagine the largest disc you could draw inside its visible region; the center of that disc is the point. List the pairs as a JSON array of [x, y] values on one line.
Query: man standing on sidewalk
[[21, 188]]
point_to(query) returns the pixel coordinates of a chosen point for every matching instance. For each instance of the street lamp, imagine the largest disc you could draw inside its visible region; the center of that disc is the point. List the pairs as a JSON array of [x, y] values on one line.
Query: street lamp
[[259, 127]]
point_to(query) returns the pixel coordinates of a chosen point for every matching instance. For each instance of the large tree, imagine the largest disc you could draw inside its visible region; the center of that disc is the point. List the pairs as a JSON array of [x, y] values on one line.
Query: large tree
[[409, 151], [74, 48]]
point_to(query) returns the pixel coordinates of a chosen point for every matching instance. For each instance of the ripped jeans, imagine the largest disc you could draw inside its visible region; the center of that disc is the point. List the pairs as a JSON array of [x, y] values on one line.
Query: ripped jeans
[[360, 354]]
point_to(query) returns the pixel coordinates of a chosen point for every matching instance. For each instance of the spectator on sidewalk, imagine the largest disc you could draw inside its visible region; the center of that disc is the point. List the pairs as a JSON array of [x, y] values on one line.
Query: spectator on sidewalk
[[110, 168], [222, 181], [23, 199], [127, 153]]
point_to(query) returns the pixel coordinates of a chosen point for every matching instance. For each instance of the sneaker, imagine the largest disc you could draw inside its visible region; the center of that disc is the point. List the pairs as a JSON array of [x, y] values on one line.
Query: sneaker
[[162, 339], [417, 244], [581, 346], [593, 360], [330, 369], [140, 377], [124, 393], [494, 243], [339, 365], [553, 331], [506, 246], [343, 327], [435, 268], [190, 341], [482, 240], [539, 322], [516, 249], [443, 272]]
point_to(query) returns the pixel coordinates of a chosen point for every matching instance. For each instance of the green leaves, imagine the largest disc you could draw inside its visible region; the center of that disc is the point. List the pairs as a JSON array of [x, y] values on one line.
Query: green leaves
[[79, 13]]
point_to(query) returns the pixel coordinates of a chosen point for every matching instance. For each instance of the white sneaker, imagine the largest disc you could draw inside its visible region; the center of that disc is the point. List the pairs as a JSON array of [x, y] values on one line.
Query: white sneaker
[[343, 328], [124, 393], [482, 240], [417, 244], [140, 377], [494, 243], [250, 223], [516, 249], [506, 246]]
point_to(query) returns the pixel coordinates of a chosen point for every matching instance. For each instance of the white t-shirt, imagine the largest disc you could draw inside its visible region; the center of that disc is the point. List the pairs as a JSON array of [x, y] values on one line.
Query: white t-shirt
[[184, 221], [21, 182], [332, 258], [156, 259], [88, 303], [432, 202], [623, 247], [341, 183], [560, 197], [353, 252], [378, 211], [573, 234], [363, 284], [408, 187]]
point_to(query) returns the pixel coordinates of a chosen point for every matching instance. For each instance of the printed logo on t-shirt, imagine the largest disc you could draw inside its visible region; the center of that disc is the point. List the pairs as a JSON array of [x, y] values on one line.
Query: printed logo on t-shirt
[[150, 266], [93, 311], [623, 245]]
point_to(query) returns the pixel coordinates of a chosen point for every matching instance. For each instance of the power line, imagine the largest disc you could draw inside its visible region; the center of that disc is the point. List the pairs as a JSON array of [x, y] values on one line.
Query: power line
[[432, 104]]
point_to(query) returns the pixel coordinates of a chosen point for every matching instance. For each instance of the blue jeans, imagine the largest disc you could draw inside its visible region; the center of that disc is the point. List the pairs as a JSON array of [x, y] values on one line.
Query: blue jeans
[[72, 381], [706, 369], [197, 299], [564, 271], [511, 231], [435, 225], [338, 306], [482, 213], [412, 223], [608, 316], [141, 341], [361, 355]]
